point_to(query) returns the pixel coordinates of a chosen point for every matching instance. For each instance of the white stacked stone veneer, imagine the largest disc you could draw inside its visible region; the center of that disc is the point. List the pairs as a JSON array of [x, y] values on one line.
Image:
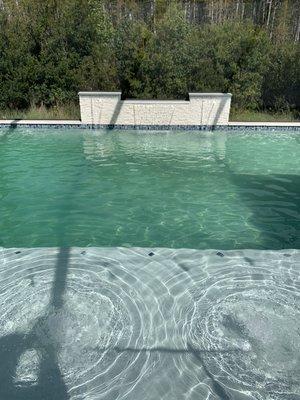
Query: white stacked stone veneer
[[107, 108]]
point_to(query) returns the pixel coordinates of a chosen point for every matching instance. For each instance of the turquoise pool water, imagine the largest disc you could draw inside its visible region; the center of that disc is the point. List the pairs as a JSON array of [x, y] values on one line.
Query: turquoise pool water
[[149, 265], [116, 323], [218, 190]]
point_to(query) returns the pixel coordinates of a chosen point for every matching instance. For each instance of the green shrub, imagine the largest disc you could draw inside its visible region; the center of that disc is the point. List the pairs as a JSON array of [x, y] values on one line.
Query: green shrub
[[50, 50]]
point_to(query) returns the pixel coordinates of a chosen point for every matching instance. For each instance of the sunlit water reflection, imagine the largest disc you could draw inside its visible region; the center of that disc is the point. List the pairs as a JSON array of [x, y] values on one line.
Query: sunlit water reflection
[[149, 323], [199, 190], [128, 325]]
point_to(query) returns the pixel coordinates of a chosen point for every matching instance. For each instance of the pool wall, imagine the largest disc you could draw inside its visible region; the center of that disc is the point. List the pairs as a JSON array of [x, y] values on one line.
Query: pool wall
[[231, 126], [107, 108]]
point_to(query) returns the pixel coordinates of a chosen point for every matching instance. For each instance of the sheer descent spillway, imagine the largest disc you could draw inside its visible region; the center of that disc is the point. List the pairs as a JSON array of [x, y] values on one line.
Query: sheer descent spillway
[[107, 108]]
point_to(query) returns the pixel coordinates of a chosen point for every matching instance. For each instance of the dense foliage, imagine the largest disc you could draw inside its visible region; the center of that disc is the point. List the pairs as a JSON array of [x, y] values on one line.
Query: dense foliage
[[49, 50]]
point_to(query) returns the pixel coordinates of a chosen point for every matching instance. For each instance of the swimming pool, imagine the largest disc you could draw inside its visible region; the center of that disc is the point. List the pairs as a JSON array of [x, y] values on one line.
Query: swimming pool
[[176, 189], [149, 265]]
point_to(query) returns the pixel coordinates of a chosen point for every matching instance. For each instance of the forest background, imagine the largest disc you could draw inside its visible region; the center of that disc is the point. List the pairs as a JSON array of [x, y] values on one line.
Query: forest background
[[156, 49]]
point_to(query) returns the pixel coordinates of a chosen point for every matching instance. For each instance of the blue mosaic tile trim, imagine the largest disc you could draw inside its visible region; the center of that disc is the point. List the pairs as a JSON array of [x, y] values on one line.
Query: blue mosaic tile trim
[[191, 127], [153, 127], [257, 128], [39, 126]]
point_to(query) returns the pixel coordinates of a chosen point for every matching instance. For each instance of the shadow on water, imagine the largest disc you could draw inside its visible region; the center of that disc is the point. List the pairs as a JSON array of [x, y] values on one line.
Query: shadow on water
[[197, 354], [49, 384], [14, 123], [216, 386], [11, 128], [274, 201], [48, 381], [276, 216]]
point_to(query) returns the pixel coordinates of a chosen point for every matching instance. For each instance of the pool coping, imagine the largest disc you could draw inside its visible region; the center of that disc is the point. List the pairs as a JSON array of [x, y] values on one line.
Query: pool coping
[[13, 123]]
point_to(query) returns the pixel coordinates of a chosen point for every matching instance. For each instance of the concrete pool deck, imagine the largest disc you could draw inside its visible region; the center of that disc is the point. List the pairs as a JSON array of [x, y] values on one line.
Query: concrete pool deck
[[79, 124], [39, 122]]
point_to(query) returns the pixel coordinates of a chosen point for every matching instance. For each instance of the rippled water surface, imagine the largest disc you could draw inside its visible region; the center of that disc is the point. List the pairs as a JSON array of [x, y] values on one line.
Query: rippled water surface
[[124, 269], [192, 190], [115, 323]]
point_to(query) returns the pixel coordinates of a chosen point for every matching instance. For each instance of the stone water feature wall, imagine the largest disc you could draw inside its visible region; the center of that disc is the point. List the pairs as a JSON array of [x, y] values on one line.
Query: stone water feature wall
[[107, 108]]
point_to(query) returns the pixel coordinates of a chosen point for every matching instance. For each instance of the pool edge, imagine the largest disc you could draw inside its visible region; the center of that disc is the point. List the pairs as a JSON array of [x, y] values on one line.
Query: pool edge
[[56, 124]]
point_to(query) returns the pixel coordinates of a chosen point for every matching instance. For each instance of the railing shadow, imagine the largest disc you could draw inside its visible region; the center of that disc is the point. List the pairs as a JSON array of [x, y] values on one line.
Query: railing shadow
[[12, 126], [49, 381], [50, 384], [116, 114], [277, 219], [190, 351], [214, 124], [14, 123], [218, 113]]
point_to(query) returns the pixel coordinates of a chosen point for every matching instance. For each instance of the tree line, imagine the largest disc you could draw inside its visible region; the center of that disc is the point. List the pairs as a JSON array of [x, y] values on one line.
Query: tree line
[[49, 50]]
